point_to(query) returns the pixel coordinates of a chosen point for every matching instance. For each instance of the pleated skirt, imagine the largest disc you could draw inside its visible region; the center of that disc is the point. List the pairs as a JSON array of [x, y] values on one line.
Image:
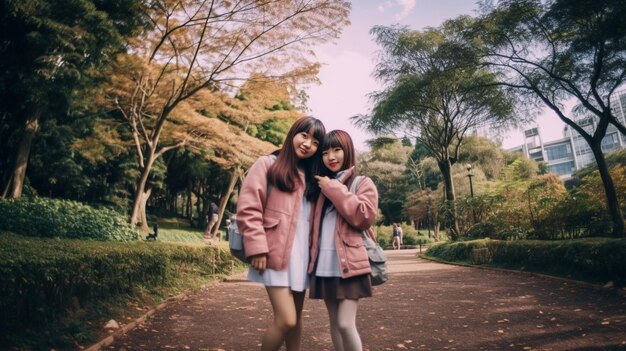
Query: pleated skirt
[[330, 288]]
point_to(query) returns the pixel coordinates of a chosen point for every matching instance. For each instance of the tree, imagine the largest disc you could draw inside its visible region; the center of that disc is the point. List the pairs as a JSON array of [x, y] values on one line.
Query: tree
[[50, 50], [436, 91], [483, 153], [213, 45], [385, 164], [557, 51]]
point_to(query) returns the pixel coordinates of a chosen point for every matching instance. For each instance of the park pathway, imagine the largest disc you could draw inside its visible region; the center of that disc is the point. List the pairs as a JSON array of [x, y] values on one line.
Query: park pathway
[[424, 306]]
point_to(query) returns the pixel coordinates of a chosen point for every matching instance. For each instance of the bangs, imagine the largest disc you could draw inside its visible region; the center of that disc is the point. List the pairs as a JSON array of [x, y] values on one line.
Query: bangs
[[316, 129], [340, 139], [331, 140]]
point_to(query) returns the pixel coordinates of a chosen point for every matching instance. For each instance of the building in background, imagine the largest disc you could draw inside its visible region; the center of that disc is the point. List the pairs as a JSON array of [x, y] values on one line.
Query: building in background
[[564, 156]]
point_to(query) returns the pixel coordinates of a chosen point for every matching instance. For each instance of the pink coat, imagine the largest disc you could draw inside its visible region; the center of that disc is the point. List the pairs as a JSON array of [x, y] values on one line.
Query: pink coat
[[268, 229], [355, 213]]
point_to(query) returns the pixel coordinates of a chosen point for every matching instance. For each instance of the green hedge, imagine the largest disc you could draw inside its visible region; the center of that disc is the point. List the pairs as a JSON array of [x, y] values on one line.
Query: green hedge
[[592, 259], [43, 217], [42, 280]]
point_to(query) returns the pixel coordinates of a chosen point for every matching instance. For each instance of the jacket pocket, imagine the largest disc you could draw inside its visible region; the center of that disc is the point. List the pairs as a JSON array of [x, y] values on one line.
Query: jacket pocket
[[270, 223], [273, 235], [356, 253], [353, 242]]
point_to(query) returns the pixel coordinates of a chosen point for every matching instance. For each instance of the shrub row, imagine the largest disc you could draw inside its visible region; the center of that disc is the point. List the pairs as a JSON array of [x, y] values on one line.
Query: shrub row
[[44, 217], [41, 280], [592, 259]]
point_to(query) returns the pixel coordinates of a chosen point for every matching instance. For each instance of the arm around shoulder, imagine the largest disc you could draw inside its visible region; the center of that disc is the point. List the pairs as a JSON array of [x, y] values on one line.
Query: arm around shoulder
[[358, 209]]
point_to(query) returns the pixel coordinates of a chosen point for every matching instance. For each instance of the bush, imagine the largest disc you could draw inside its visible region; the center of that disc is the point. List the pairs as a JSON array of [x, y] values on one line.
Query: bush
[[43, 217], [42, 281], [458, 251], [590, 259]]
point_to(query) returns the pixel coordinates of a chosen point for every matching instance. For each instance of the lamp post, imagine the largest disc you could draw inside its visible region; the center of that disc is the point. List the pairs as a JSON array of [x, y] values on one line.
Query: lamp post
[[428, 213], [470, 175]]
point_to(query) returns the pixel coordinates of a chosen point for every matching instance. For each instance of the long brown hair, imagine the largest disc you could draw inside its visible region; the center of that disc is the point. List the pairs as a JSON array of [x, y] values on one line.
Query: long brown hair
[[283, 174]]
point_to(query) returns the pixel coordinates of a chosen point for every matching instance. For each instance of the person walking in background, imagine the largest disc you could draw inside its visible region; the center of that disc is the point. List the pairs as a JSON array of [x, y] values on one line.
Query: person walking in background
[[211, 218], [273, 216], [401, 235], [397, 236], [339, 264]]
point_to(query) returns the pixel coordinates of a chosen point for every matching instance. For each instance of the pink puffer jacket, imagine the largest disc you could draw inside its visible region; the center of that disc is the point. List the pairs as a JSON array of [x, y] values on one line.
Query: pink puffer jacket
[[268, 229], [355, 213]]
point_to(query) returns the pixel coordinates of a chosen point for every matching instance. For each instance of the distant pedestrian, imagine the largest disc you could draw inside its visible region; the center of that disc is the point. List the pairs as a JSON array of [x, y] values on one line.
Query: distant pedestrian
[[397, 236], [211, 218], [339, 267]]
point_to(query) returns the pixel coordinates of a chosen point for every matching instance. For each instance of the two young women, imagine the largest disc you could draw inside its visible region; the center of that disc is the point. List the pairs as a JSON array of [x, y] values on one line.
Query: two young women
[[300, 222]]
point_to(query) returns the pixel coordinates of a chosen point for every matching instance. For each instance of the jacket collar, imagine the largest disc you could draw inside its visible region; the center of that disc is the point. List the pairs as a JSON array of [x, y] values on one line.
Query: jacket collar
[[346, 174]]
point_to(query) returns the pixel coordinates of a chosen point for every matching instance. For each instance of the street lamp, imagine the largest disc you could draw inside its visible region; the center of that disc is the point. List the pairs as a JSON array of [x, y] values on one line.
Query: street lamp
[[430, 198], [470, 175]]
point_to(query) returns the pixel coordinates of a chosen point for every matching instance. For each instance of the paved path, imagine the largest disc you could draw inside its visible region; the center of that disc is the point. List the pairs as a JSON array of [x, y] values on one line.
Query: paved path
[[424, 306]]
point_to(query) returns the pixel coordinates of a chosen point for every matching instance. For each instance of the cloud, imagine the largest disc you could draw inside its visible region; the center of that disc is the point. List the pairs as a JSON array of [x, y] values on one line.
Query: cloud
[[384, 6], [407, 6], [404, 6]]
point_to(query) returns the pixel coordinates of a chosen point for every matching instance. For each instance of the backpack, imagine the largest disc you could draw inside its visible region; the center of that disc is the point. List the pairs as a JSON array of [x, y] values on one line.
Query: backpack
[[375, 253], [235, 239]]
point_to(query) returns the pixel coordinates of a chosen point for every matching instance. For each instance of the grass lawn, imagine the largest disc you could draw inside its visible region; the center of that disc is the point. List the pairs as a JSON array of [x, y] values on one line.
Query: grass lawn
[[178, 230]]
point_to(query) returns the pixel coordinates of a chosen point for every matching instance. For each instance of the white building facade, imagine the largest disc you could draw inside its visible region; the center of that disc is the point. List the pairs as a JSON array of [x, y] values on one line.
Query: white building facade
[[564, 156]]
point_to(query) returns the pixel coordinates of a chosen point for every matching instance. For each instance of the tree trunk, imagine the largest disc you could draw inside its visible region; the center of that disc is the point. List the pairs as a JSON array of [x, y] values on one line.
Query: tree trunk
[[7, 186], [612, 202], [142, 209], [16, 180], [446, 171], [234, 176], [140, 188], [189, 203]]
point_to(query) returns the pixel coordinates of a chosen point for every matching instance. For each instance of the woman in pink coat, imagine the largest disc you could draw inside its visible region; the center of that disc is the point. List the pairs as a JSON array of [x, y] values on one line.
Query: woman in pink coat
[[339, 264], [273, 216]]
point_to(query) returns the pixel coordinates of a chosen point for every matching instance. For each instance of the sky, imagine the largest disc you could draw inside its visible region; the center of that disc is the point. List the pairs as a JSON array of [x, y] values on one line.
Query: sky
[[348, 65]]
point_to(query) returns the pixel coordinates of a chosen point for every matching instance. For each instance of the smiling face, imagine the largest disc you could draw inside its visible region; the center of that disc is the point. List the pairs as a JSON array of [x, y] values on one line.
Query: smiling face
[[333, 159], [305, 145]]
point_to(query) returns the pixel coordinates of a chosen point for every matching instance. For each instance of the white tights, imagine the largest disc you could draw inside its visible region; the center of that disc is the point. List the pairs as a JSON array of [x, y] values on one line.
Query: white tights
[[342, 314]]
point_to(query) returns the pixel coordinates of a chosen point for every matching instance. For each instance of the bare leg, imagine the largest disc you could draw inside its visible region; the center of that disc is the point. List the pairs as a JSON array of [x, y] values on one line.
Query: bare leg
[[285, 318], [294, 336], [333, 310]]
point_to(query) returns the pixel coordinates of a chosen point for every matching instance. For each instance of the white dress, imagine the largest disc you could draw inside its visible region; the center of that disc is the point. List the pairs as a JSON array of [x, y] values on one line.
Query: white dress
[[327, 262], [295, 277]]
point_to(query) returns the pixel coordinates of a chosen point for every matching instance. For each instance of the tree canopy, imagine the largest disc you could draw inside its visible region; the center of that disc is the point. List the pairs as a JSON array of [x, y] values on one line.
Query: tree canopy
[[436, 91], [557, 51]]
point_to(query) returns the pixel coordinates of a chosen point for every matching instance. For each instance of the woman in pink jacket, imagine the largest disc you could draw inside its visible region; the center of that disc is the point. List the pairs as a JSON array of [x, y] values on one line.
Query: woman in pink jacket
[[339, 264], [273, 216]]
